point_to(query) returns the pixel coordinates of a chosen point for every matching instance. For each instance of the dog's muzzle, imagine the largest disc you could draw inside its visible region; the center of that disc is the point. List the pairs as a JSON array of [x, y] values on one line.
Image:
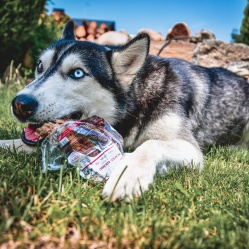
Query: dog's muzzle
[[24, 107]]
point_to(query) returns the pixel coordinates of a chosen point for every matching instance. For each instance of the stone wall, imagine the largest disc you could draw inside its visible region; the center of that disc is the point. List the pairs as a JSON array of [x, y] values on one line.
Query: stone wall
[[208, 53], [233, 56]]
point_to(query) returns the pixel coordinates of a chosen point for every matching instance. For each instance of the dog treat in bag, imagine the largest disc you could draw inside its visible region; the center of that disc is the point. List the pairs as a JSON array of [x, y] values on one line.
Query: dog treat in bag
[[90, 144]]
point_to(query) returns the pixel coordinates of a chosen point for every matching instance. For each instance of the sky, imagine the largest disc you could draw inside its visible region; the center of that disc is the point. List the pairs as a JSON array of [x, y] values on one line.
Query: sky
[[219, 16]]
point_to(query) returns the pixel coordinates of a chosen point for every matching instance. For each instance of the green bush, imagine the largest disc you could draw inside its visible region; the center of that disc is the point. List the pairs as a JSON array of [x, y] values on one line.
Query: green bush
[[47, 31], [243, 35], [25, 27]]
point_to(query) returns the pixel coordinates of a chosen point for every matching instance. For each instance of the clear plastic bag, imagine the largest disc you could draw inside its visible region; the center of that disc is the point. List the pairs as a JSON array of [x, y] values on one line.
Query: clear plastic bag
[[92, 145]]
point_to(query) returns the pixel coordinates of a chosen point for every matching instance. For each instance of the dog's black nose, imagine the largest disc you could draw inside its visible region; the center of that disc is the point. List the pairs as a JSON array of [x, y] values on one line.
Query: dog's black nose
[[24, 106]]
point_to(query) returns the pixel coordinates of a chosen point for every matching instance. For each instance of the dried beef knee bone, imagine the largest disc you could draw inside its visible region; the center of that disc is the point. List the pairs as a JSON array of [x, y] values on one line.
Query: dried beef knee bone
[[47, 128]]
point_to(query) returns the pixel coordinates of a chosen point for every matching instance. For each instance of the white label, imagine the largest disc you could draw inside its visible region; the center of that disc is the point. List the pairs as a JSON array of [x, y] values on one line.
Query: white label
[[98, 167]]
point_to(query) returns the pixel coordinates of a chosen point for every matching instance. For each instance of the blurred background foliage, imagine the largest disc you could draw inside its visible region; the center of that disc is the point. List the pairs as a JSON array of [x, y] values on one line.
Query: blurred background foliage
[[242, 36], [26, 29]]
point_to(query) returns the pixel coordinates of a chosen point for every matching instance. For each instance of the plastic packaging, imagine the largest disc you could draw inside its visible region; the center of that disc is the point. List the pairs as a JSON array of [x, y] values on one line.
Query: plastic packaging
[[90, 144]]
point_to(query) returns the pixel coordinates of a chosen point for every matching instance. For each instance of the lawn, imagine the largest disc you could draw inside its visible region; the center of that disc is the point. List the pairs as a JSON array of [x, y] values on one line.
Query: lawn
[[183, 209]]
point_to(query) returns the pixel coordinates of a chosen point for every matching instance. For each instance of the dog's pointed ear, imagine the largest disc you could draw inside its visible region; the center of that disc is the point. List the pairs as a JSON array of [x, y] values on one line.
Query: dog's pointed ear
[[127, 60], [68, 31]]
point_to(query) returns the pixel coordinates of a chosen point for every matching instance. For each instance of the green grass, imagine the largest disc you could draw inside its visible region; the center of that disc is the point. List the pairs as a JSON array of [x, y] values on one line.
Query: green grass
[[183, 209]]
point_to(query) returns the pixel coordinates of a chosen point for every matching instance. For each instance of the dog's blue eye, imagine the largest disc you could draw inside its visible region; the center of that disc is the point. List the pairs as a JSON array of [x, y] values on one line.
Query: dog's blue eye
[[39, 67], [76, 74]]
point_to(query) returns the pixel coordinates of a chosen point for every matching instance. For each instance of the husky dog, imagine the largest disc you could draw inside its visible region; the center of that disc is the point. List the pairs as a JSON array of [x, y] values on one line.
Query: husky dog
[[167, 110]]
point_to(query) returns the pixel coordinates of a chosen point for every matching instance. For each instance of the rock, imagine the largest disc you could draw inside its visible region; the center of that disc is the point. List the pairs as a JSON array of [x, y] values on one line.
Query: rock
[[80, 32], [92, 28], [208, 53], [113, 38], [203, 34], [90, 37], [240, 67], [214, 53], [154, 35], [232, 56], [179, 29]]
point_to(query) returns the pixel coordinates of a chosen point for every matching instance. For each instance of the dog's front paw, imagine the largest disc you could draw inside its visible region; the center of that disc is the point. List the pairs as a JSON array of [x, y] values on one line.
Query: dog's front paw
[[131, 177]]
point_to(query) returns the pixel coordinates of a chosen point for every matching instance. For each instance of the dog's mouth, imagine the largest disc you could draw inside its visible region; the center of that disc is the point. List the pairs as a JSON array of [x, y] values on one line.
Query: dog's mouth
[[32, 138]]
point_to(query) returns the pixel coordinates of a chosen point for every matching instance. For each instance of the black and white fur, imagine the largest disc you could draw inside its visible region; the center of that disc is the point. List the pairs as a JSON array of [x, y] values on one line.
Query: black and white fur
[[167, 110]]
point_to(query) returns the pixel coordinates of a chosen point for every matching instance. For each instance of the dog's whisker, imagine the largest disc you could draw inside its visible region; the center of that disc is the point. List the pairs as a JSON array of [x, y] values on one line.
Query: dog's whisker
[[129, 114]]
